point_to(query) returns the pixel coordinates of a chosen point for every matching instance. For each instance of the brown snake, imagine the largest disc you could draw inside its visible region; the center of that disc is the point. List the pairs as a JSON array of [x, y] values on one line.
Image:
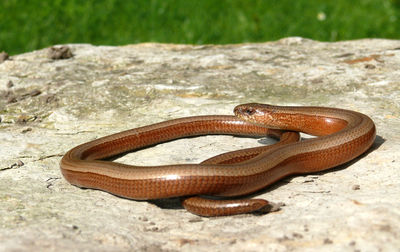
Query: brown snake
[[342, 136]]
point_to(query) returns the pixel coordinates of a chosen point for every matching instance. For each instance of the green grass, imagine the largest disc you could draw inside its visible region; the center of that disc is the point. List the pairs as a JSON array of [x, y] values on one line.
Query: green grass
[[26, 25]]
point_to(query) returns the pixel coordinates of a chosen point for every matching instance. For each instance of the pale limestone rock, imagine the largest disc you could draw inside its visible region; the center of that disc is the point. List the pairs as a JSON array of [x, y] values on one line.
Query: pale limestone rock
[[54, 105]]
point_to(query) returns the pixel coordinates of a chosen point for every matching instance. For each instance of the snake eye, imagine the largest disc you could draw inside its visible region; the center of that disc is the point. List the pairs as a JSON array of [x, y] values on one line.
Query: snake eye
[[249, 111]]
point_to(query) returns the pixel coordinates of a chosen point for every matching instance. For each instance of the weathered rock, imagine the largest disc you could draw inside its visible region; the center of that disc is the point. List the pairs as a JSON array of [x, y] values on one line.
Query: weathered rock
[[3, 57], [58, 104]]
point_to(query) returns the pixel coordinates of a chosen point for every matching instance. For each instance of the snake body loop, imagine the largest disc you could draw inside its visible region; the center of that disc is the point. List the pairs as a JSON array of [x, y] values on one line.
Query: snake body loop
[[342, 136]]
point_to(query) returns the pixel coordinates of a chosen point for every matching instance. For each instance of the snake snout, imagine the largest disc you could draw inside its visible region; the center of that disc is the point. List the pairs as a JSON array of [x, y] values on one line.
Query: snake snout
[[244, 110]]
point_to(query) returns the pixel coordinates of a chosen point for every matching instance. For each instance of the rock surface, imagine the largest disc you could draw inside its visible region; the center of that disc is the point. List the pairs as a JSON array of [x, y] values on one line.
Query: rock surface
[[48, 106]]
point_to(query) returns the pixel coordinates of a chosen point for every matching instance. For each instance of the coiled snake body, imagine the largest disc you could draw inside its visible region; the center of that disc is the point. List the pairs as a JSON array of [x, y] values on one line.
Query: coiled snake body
[[341, 134]]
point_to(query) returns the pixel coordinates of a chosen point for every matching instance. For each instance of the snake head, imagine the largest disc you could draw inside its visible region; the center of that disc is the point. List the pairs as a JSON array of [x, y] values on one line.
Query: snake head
[[260, 114]]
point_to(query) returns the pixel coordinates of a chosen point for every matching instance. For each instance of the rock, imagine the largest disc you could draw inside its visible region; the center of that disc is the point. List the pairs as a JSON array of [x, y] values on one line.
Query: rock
[[3, 57], [60, 52], [103, 90]]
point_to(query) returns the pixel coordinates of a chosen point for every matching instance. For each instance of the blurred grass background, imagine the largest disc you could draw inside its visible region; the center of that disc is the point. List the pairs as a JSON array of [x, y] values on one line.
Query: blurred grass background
[[26, 25]]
